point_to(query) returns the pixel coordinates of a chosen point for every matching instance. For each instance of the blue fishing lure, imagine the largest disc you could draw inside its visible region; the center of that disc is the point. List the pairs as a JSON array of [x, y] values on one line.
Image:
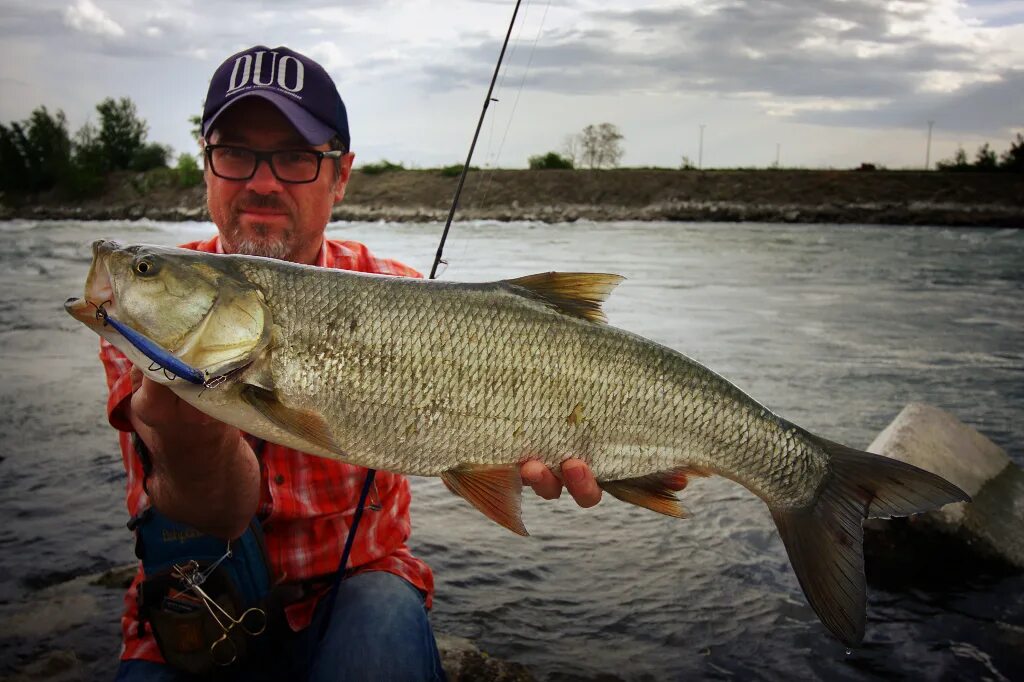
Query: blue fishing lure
[[154, 351]]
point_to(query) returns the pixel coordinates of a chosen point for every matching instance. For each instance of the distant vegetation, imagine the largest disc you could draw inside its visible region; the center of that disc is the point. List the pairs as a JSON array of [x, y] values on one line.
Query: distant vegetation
[[38, 154], [549, 161], [455, 170], [985, 160], [383, 166], [596, 146]]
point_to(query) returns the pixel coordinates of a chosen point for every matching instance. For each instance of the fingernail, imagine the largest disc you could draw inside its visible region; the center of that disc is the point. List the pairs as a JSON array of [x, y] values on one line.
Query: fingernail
[[574, 474]]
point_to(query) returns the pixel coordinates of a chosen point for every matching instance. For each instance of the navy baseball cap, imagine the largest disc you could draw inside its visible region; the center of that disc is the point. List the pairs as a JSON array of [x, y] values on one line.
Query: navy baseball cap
[[295, 84]]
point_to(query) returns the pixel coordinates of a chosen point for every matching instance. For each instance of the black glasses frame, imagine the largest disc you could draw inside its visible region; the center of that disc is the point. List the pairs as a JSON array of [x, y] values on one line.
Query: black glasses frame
[[269, 158]]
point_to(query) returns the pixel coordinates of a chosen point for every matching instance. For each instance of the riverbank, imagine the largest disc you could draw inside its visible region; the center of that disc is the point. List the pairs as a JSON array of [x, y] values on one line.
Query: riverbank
[[790, 196]]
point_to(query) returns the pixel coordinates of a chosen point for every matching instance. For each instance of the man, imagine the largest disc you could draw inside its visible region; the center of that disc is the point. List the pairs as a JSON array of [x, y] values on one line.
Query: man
[[277, 161]]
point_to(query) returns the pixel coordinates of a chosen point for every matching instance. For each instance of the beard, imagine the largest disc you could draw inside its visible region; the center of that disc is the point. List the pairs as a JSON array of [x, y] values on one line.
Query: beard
[[260, 239], [276, 246]]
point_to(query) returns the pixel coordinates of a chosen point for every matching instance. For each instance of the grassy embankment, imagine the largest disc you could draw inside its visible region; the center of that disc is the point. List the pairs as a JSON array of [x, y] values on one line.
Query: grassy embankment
[[836, 196]]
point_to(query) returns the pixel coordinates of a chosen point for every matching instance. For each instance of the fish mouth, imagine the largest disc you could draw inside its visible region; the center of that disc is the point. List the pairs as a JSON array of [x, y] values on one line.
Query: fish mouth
[[99, 289]]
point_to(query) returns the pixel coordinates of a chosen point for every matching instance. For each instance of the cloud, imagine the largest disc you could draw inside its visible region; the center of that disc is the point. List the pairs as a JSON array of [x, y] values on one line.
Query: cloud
[[87, 17], [995, 106], [832, 61]]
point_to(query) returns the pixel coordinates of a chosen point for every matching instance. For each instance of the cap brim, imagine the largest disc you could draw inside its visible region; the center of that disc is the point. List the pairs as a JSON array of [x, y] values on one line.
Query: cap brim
[[308, 126]]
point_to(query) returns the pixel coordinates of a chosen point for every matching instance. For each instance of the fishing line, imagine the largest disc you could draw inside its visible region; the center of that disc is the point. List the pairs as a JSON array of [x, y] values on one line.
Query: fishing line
[[483, 180], [490, 158], [515, 104], [472, 146]]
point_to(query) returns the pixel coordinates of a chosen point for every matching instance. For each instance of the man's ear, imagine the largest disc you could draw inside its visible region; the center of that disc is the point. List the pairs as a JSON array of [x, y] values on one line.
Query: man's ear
[[344, 173]]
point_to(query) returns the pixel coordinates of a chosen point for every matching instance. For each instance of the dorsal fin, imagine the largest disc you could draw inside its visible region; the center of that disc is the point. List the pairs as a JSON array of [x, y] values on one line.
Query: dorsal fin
[[579, 294]]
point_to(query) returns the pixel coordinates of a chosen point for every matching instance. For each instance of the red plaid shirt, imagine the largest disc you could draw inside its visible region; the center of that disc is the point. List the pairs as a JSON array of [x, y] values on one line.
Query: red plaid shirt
[[306, 502]]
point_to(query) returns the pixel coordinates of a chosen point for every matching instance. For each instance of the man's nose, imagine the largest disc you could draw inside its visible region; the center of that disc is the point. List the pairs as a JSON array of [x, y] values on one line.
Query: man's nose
[[263, 180]]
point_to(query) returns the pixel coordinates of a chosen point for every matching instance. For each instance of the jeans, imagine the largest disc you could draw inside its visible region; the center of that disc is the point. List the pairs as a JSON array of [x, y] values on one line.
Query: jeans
[[379, 631]]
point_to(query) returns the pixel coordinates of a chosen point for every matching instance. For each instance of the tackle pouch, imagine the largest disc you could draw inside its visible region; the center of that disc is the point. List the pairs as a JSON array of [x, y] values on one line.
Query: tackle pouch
[[195, 634]]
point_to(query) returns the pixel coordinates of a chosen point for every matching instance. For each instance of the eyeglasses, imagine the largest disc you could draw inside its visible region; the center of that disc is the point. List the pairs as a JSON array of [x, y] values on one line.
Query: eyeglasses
[[288, 165]]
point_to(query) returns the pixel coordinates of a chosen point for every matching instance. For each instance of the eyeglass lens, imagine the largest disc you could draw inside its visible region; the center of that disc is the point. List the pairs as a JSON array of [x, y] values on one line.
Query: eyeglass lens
[[239, 163]]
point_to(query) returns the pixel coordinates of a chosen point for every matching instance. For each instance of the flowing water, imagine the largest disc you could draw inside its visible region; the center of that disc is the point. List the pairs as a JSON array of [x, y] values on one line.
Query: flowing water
[[836, 328]]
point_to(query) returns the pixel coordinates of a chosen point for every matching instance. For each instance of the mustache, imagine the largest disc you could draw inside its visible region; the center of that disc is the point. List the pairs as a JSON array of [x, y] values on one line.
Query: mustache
[[253, 200]]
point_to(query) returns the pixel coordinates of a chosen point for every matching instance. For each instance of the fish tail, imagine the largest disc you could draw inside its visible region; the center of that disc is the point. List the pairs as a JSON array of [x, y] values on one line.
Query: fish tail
[[825, 541]]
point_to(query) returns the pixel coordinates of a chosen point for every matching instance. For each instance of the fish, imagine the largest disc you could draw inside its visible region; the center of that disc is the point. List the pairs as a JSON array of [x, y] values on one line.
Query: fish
[[465, 381]]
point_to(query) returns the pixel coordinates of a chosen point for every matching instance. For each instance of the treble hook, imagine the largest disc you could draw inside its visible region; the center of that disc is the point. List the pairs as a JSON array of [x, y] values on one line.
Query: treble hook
[[171, 365]]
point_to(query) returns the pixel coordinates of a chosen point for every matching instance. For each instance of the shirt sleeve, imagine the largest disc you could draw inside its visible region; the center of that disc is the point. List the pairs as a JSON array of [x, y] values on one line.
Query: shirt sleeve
[[117, 368]]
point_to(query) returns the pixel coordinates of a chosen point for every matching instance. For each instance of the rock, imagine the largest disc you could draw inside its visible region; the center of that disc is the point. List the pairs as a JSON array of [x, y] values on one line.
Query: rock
[[464, 662], [119, 578], [55, 666], [933, 439]]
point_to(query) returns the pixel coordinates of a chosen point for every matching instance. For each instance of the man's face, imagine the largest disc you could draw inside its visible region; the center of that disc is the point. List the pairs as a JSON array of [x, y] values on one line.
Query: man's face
[[263, 216]]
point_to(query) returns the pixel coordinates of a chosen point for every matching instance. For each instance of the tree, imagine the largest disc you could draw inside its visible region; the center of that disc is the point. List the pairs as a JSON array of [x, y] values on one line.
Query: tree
[[551, 160], [35, 153], [600, 145], [197, 128], [88, 163], [957, 163], [1013, 158], [121, 133], [985, 160], [571, 149], [149, 156]]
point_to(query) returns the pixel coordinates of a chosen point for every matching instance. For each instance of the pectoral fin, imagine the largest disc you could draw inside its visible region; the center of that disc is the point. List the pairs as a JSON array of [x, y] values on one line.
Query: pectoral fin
[[494, 490], [306, 425], [656, 492]]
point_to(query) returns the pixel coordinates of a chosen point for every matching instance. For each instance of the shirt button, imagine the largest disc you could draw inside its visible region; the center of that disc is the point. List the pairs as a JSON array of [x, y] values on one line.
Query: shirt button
[[279, 479]]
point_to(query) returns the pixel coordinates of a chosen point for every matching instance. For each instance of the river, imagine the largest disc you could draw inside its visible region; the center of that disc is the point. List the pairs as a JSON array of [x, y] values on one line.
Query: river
[[834, 327]]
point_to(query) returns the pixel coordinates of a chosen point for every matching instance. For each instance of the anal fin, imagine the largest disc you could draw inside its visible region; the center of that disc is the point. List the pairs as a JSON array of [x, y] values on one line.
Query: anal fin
[[495, 490], [656, 492]]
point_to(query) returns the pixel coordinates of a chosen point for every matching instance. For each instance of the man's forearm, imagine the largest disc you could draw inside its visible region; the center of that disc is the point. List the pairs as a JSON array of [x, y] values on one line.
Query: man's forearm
[[211, 483]]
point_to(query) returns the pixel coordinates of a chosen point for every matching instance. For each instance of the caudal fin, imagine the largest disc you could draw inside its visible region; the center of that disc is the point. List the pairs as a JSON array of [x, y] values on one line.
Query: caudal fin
[[825, 541]]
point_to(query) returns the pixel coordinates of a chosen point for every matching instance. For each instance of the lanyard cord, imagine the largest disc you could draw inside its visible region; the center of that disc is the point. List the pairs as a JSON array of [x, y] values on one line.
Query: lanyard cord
[[340, 573]]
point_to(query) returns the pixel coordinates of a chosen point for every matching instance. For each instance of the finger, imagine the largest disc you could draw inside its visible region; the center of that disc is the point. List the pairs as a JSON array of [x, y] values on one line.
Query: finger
[[581, 483], [540, 478], [135, 377]]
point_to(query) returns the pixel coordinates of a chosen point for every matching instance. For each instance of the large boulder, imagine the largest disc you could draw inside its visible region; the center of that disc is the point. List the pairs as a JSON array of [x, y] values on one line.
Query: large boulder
[[992, 523]]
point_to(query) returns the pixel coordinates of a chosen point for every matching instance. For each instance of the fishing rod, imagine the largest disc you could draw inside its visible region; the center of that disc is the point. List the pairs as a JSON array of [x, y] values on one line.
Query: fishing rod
[[472, 146]]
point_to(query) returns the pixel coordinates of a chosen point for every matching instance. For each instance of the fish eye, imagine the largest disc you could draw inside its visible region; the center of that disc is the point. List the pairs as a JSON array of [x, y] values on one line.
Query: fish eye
[[145, 267]]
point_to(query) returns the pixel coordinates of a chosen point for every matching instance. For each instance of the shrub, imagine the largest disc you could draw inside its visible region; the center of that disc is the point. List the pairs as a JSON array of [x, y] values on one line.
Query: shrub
[[454, 170], [384, 166], [549, 161], [189, 174]]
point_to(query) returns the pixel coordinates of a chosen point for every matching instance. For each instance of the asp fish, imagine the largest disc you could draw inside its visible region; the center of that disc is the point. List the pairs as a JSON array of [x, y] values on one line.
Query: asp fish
[[466, 381]]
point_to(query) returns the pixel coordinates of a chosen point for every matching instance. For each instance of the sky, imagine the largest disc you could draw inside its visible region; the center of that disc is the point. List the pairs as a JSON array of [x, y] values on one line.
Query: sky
[[728, 83]]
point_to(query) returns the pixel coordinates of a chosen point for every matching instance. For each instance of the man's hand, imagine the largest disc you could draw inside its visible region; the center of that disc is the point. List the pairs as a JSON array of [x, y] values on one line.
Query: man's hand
[[157, 408], [204, 473], [578, 480]]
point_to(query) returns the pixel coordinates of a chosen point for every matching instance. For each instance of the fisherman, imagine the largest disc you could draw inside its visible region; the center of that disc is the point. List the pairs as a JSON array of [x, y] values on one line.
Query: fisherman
[[277, 159]]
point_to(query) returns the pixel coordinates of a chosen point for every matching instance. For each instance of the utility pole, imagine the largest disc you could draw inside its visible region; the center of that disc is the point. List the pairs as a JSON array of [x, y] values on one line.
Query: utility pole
[[778, 147], [700, 149], [928, 149]]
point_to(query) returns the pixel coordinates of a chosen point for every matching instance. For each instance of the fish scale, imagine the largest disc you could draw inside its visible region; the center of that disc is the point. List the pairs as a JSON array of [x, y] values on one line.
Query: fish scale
[[646, 414], [466, 381]]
